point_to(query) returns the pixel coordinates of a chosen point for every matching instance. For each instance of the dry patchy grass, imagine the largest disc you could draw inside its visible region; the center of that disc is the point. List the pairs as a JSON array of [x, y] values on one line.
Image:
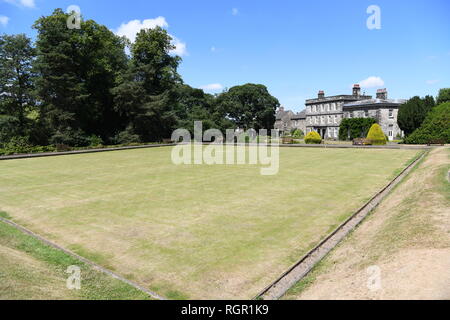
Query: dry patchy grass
[[193, 231], [407, 237]]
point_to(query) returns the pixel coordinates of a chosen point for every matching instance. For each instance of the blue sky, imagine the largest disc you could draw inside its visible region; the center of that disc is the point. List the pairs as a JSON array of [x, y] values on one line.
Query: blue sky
[[295, 48]]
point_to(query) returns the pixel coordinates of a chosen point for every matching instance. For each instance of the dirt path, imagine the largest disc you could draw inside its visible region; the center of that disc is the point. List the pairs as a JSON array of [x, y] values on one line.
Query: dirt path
[[402, 251]]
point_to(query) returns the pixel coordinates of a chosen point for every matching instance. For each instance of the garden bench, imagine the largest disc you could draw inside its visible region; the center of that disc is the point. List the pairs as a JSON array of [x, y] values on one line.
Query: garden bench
[[287, 140], [361, 142], [436, 142]]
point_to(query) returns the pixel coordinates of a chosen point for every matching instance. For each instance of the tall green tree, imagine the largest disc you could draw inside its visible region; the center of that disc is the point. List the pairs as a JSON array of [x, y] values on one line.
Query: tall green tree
[[412, 113], [146, 94], [16, 86], [435, 128], [249, 106], [444, 96], [194, 105], [77, 68]]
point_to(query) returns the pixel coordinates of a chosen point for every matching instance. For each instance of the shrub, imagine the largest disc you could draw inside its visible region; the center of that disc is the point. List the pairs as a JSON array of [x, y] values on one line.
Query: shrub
[[62, 147], [313, 138], [70, 137], [376, 135], [95, 141], [41, 149], [126, 137], [20, 145], [297, 134], [436, 127], [353, 128], [17, 145]]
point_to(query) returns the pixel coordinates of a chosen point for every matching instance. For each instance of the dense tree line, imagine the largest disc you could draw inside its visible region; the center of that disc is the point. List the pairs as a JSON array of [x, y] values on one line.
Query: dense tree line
[[412, 114], [81, 87], [435, 128], [425, 120]]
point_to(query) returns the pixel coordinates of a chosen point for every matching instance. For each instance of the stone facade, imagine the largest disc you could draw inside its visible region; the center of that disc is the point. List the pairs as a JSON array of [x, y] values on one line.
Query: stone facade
[[382, 109], [324, 114], [286, 121]]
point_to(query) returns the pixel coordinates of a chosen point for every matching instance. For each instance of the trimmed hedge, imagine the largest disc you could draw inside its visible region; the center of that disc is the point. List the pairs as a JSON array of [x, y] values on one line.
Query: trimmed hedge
[[14, 149], [26, 150], [376, 135], [313, 138], [436, 127], [353, 128]]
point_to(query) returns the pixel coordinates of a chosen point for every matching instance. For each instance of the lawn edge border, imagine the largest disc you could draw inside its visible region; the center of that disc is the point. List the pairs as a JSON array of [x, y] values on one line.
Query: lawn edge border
[[66, 153], [149, 146], [94, 265], [304, 266]]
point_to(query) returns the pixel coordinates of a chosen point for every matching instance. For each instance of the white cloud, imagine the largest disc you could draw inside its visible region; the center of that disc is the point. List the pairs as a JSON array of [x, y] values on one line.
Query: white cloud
[[131, 29], [235, 11], [212, 87], [4, 21], [22, 3], [431, 82], [215, 49], [180, 47], [372, 82]]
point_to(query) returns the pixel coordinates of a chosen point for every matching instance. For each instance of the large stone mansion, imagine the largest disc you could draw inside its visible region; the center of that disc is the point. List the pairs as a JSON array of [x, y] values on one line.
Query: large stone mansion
[[324, 114]]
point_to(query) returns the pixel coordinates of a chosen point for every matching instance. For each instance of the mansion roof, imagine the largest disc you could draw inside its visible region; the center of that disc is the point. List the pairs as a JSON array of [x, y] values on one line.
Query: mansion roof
[[375, 103], [283, 115], [342, 97], [300, 115]]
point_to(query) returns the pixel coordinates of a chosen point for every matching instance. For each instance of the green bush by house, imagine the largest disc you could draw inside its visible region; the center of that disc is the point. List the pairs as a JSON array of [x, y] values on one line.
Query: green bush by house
[[435, 128], [376, 135], [297, 134], [313, 138], [353, 128]]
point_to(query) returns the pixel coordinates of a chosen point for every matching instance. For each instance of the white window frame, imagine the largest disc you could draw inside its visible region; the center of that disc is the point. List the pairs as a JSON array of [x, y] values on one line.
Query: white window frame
[[391, 113]]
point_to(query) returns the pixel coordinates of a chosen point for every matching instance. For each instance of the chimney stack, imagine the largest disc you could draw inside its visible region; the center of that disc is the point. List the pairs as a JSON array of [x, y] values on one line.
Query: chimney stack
[[321, 94], [382, 94], [356, 90]]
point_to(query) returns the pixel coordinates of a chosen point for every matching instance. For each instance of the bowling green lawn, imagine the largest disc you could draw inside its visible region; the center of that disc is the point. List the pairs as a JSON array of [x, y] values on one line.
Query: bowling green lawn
[[185, 232]]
